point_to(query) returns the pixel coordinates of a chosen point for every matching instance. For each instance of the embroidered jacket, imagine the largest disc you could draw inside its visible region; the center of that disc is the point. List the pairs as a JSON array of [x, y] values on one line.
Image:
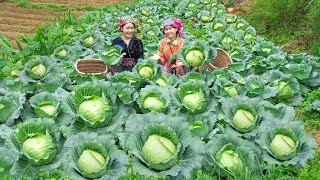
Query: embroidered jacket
[[134, 51], [167, 51]]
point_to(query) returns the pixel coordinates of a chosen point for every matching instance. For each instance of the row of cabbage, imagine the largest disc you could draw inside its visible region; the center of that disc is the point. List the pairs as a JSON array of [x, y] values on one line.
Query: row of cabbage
[[225, 121]]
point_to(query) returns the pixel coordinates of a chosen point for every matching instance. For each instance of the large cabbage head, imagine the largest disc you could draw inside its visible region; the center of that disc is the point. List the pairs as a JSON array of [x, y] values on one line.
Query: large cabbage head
[[195, 56], [146, 72], [38, 146], [282, 147], [231, 160], [94, 108], [91, 161], [158, 149], [38, 71], [153, 103], [194, 100], [243, 119]]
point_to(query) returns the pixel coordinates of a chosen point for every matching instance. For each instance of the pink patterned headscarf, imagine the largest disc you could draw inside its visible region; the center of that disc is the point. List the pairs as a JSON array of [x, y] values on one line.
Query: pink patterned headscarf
[[124, 20], [174, 22]]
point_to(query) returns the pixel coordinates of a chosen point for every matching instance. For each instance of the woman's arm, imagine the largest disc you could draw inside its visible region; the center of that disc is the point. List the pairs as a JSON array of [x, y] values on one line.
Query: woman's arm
[[161, 59]]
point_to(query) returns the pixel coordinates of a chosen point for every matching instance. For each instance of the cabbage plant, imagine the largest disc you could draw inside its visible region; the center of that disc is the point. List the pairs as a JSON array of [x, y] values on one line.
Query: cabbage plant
[[94, 103], [10, 107], [218, 24], [151, 33], [203, 125], [228, 154], [167, 80], [126, 77], [196, 53], [286, 143], [89, 43], [162, 146], [257, 87], [64, 53], [89, 155], [147, 69], [154, 98], [205, 16], [222, 87], [126, 93], [45, 105], [265, 49], [37, 146], [44, 73], [244, 114], [94, 106], [288, 88], [194, 96]]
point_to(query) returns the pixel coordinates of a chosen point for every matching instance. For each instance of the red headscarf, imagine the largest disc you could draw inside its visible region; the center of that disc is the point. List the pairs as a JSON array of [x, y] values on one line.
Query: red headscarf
[[124, 20], [174, 22]]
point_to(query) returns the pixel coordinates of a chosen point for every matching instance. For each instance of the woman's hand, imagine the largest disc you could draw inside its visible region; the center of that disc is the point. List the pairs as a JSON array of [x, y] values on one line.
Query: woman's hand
[[155, 57]]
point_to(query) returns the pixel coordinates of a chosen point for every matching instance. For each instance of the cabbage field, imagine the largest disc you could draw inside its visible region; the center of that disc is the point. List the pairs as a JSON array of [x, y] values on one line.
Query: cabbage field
[[240, 122]]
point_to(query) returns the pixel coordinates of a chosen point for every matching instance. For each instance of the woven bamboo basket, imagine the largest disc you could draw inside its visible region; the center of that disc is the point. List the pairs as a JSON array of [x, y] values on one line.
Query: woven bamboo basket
[[222, 60], [90, 66]]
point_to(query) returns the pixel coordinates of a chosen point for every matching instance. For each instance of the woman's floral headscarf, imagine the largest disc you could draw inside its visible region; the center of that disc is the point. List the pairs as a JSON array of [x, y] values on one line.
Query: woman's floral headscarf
[[174, 22], [124, 20]]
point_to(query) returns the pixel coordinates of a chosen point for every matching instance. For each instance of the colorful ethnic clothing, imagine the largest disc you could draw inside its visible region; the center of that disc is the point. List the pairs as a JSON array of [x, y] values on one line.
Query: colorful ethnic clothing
[[133, 51], [168, 51]]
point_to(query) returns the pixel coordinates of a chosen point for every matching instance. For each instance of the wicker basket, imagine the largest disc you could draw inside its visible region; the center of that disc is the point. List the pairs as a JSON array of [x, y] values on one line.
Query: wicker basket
[[90, 66], [222, 60]]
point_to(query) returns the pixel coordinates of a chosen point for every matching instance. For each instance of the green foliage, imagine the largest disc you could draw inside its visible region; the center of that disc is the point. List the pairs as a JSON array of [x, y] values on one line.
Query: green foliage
[[288, 20], [306, 112], [273, 14]]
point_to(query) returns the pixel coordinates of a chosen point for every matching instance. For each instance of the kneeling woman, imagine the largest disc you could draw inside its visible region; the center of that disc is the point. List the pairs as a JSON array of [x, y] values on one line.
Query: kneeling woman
[[131, 46], [170, 46]]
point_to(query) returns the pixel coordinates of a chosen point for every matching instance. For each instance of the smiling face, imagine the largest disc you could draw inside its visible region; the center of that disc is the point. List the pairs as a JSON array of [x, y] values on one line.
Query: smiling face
[[170, 32], [128, 30]]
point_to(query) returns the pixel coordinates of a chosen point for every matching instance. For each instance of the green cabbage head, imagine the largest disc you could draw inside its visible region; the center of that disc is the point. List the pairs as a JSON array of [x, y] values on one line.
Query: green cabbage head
[[194, 100], [194, 56], [38, 147], [91, 161], [158, 149], [38, 71], [89, 41], [243, 119], [232, 91], [94, 108], [282, 146], [146, 72], [62, 53], [49, 109], [153, 103], [162, 82], [205, 18], [231, 160], [284, 90]]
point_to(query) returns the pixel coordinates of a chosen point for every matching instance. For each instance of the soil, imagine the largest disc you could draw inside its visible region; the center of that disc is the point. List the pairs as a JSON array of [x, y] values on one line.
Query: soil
[[16, 20]]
